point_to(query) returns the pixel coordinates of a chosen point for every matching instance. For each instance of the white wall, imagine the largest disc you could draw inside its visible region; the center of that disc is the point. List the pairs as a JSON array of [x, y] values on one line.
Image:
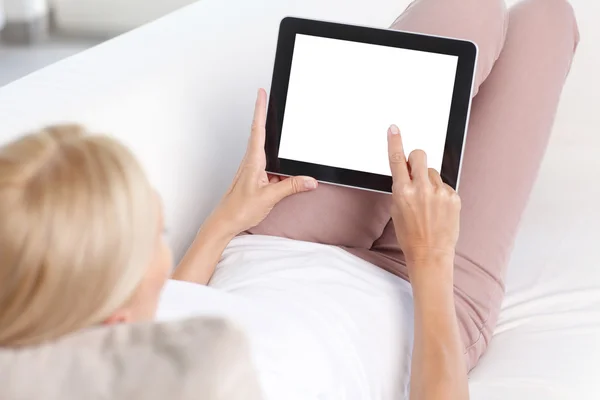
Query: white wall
[[110, 16], [24, 10]]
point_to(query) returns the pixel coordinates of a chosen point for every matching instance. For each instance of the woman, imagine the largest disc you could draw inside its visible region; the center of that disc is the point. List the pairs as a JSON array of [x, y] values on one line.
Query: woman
[[77, 215]]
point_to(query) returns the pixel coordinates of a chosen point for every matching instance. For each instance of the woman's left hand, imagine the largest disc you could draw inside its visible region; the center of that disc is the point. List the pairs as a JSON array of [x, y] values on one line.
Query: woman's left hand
[[253, 194]]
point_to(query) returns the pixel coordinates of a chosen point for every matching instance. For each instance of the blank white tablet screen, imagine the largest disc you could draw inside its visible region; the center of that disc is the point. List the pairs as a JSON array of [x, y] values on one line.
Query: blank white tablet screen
[[343, 96]]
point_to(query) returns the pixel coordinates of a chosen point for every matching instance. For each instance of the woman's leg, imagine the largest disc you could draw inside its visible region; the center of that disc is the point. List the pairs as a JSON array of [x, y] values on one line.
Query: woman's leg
[[356, 218], [511, 121]]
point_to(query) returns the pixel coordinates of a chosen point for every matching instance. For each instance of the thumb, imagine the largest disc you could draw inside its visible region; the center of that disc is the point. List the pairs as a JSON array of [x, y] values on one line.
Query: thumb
[[287, 187]]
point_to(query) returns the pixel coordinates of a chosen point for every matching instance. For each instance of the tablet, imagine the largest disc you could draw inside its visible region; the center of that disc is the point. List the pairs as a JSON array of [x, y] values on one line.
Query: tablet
[[337, 88]]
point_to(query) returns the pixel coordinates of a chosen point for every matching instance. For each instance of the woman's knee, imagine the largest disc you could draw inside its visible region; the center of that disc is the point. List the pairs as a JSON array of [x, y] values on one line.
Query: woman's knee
[[551, 18], [483, 22]]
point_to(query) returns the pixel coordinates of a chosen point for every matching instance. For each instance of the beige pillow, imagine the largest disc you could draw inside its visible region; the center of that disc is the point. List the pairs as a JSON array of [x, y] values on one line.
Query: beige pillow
[[200, 359]]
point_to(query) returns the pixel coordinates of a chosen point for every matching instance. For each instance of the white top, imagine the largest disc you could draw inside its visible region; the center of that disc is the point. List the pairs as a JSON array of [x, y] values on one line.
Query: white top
[[323, 324]]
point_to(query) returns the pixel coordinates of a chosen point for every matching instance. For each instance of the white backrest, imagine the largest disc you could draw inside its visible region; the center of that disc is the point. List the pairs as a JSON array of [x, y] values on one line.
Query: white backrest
[[179, 91]]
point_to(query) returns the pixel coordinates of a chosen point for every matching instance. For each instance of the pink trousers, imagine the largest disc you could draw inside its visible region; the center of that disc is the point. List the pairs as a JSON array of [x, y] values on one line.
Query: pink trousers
[[524, 57]]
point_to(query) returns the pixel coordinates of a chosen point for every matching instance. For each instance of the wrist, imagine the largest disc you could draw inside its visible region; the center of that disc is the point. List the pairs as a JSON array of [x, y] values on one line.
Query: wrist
[[429, 255], [219, 227], [433, 272], [200, 260]]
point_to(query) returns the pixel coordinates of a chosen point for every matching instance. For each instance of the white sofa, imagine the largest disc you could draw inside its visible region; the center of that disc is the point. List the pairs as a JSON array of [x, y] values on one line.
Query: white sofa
[[180, 92]]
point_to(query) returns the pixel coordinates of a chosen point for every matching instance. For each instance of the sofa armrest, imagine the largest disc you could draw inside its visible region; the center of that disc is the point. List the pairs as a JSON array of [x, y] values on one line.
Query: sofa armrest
[[105, 17]]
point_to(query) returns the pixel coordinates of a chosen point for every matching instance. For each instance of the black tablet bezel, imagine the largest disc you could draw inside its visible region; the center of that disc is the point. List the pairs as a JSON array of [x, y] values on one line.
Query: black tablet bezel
[[459, 111]]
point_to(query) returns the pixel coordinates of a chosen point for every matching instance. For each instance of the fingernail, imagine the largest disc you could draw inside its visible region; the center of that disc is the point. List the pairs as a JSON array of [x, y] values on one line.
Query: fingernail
[[310, 184], [394, 130]]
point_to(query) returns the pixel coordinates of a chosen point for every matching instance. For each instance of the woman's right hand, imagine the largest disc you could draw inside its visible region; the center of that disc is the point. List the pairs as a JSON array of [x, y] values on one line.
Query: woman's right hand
[[425, 211], [254, 193]]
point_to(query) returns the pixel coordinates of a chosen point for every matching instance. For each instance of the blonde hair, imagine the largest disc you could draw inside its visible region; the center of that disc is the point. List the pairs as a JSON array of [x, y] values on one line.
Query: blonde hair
[[78, 227]]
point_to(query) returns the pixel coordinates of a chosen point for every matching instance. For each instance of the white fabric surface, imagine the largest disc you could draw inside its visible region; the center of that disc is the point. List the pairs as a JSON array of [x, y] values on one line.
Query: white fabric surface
[[180, 92], [323, 324]]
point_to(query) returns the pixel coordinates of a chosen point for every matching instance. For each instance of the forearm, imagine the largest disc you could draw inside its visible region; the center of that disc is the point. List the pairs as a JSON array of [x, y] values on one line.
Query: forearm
[[438, 364], [199, 262]]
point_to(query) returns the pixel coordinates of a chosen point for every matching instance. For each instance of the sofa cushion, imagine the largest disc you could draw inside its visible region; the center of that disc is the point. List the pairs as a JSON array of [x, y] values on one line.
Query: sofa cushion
[[202, 358]]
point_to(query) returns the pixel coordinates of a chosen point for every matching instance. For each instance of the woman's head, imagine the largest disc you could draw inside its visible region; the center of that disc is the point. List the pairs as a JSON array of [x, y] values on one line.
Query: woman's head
[[80, 236]]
